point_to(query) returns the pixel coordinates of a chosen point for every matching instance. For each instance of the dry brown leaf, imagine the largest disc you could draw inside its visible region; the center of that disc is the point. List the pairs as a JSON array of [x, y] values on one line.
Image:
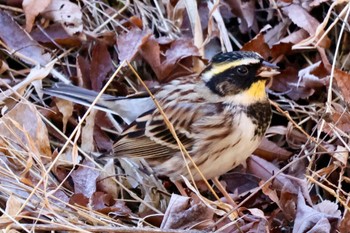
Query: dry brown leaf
[[32, 9], [168, 67], [67, 13], [249, 16], [19, 43], [345, 222], [79, 199], [301, 17], [299, 84], [55, 34], [257, 44], [340, 119], [101, 66], [342, 80], [245, 10], [102, 141], [107, 204]]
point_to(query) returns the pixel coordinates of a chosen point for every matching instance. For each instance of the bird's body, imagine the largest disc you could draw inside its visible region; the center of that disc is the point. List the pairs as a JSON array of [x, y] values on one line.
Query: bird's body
[[217, 133], [220, 117]]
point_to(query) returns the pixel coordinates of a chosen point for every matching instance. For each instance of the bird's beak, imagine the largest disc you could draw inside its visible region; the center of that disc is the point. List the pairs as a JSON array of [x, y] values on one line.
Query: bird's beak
[[268, 70]]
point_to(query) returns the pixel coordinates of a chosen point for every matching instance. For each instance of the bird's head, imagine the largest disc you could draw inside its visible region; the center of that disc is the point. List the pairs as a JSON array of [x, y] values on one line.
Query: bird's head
[[238, 76]]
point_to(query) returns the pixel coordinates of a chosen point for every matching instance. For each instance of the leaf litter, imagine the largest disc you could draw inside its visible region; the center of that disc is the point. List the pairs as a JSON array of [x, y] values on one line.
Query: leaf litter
[[297, 180]]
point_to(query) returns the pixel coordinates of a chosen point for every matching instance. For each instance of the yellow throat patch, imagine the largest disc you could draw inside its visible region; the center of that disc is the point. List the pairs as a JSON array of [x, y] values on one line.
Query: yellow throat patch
[[257, 90]]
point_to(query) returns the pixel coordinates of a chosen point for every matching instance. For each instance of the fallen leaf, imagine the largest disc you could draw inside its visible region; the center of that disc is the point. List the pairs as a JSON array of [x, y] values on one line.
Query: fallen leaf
[[54, 35], [84, 178], [316, 219], [101, 65], [67, 13], [79, 199], [105, 181], [13, 205], [182, 213], [271, 151], [32, 9], [105, 203], [30, 131], [129, 43], [342, 80], [19, 42], [257, 44], [87, 133], [66, 108]]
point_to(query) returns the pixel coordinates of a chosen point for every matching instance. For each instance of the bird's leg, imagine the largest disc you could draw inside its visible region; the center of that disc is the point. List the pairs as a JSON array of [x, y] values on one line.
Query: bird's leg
[[224, 192]]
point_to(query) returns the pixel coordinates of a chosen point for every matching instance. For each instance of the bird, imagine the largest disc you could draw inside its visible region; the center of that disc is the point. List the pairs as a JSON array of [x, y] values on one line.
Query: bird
[[220, 116]]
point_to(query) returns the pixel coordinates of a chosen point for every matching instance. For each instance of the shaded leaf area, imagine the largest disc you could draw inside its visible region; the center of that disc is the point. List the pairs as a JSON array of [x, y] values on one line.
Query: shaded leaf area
[[55, 172]]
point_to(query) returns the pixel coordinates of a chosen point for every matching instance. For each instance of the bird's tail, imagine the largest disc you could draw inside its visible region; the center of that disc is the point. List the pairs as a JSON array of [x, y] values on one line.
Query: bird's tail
[[125, 107]]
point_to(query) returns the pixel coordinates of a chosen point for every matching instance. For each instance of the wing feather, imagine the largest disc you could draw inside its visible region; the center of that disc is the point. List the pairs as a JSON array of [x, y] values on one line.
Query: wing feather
[[149, 136]]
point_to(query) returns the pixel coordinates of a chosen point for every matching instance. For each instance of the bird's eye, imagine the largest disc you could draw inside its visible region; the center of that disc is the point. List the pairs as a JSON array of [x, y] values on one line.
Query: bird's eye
[[242, 70]]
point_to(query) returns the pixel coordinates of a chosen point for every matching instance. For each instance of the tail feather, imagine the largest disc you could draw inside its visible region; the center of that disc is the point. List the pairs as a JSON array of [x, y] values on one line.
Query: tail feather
[[126, 108]]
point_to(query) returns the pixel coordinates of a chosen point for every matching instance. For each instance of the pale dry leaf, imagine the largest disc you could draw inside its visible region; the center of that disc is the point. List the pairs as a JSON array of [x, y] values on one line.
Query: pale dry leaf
[[301, 17], [68, 158], [249, 16], [105, 179], [3, 66], [36, 74], [341, 154], [310, 219], [32, 9], [183, 213], [257, 212], [13, 205], [271, 151], [214, 10], [20, 43], [84, 179], [295, 37], [197, 32], [32, 125], [66, 108], [67, 13], [130, 42], [276, 33], [87, 133]]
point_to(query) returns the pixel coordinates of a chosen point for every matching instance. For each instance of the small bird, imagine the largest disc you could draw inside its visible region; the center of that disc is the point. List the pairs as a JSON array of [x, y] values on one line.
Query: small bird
[[220, 116]]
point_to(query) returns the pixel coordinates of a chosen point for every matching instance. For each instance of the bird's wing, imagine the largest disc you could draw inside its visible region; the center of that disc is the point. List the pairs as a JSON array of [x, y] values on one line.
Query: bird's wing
[[149, 136]]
